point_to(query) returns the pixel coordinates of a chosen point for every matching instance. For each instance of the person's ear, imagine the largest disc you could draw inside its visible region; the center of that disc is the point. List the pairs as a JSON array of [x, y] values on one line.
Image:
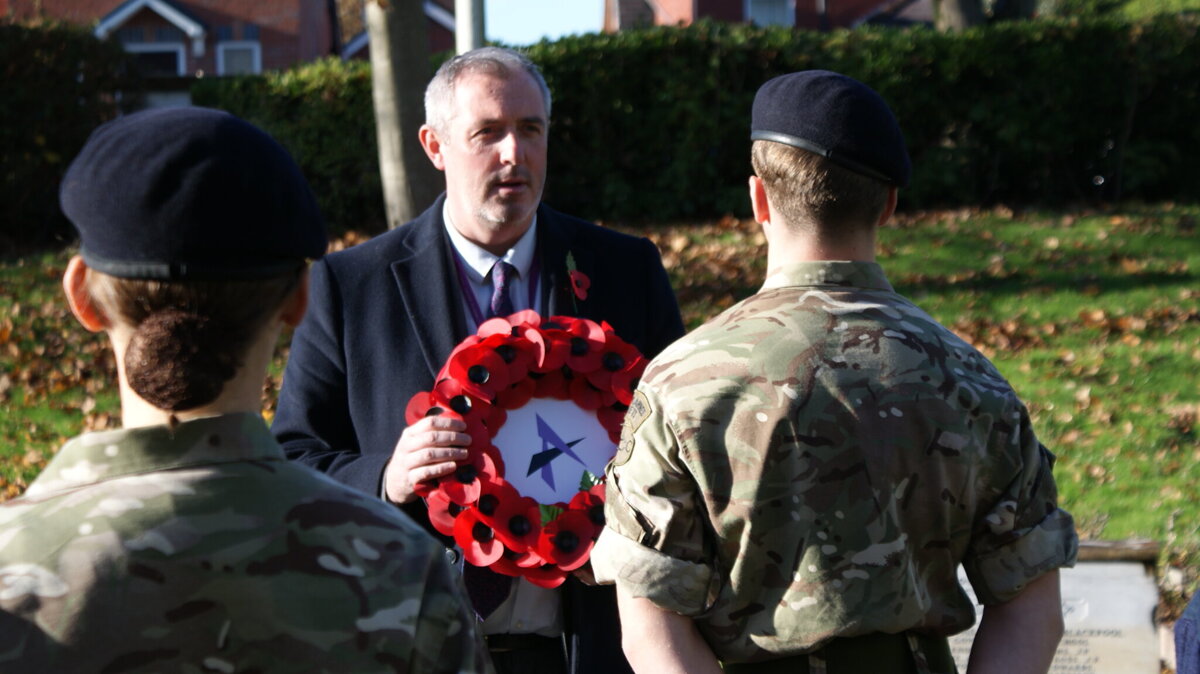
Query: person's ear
[[296, 303], [758, 201], [890, 208], [86, 311], [432, 144]]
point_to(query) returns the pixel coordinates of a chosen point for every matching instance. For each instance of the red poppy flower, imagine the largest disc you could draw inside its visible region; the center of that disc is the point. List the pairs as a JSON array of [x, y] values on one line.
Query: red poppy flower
[[590, 329], [551, 347], [496, 416], [566, 541], [423, 404], [442, 512], [587, 340], [507, 564], [580, 283], [584, 394], [547, 575], [530, 560], [518, 522], [492, 493], [465, 484], [505, 325], [518, 354], [616, 356], [591, 503], [517, 395], [480, 370], [477, 540], [611, 417], [625, 382], [553, 384], [461, 346], [461, 401], [497, 459]]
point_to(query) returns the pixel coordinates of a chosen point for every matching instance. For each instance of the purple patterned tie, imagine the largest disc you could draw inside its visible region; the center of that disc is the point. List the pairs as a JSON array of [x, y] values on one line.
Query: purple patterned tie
[[503, 275]]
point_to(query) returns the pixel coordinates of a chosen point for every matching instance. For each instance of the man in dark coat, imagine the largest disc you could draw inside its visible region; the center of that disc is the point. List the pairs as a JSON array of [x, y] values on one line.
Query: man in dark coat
[[386, 314]]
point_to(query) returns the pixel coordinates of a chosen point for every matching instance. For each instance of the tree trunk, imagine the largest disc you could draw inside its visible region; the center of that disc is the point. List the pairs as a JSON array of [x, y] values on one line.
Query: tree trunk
[[958, 14], [399, 73]]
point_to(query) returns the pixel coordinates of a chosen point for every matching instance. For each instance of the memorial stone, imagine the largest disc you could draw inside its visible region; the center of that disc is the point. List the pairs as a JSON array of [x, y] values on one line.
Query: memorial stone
[[1108, 615]]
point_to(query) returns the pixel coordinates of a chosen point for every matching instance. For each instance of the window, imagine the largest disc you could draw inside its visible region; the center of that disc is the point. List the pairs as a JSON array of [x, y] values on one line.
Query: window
[[168, 34], [771, 12], [158, 59], [239, 57], [132, 34]]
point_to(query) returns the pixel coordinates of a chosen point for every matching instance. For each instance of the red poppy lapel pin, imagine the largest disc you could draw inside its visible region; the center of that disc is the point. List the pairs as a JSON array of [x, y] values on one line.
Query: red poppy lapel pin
[[579, 282]]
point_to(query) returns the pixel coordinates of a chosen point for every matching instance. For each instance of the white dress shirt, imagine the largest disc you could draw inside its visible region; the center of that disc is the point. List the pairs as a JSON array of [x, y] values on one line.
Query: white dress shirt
[[477, 264]]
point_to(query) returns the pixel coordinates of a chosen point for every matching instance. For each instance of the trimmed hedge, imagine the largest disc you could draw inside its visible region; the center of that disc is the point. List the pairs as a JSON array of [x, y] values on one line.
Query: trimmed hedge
[[653, 124], [59, 83], [323, 114]]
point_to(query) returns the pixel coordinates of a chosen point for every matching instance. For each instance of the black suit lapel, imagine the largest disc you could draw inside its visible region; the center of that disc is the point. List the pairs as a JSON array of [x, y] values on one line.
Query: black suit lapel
[[554, 242], [428, 285]]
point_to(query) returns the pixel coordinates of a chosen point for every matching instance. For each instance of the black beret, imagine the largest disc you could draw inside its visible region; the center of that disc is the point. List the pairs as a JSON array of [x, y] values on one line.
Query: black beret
[[836, 117], [190, 193]]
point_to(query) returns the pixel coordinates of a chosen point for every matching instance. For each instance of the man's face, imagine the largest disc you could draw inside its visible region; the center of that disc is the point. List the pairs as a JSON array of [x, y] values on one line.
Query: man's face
[[493, 151]]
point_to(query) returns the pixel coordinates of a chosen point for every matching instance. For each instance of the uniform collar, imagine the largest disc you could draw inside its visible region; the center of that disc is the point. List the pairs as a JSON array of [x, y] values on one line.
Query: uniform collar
[[865, 275], [104, 455], [479, 261]]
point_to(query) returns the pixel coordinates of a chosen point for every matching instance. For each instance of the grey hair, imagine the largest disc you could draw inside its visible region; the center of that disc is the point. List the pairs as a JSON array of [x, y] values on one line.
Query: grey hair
[[496, 61]]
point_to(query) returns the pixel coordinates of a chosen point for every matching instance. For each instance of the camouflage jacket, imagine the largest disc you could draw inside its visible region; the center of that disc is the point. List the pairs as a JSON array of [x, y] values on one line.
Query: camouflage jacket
[[203, 550], [816, 462]]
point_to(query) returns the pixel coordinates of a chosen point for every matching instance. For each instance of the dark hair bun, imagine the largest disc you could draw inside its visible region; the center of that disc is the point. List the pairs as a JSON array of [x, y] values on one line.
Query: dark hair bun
[[177, 360]]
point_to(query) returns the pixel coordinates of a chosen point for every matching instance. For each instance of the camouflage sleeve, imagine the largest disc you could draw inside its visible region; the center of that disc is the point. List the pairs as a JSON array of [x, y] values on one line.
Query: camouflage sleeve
[[654, 545], [1025, 533], [448, 637]]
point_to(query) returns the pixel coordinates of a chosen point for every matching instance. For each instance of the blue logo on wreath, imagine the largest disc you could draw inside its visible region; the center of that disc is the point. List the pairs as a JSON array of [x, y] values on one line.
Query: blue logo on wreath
[[552, 448]]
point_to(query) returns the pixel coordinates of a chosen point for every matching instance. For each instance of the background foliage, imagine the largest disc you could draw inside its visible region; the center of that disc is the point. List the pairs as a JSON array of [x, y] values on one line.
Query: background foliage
[[58, 83], [1046, 112], [322, 112], [653, 124]]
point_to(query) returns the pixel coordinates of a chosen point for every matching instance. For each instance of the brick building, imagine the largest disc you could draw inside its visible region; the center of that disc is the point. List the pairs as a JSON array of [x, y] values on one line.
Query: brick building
[[807, 14]]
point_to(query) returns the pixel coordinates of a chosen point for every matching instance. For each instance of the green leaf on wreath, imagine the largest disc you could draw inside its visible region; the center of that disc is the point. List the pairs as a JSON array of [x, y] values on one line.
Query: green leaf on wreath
[[549, 512], [588, 481]]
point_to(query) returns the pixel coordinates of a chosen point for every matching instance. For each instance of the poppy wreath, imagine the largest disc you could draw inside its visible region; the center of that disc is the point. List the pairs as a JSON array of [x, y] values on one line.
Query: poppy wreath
[[506, 364]]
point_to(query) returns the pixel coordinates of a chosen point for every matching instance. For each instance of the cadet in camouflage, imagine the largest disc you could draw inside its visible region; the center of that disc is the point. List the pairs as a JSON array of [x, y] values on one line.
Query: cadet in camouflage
[[811, 466], [202, 549], [186, 542], [777, 478]]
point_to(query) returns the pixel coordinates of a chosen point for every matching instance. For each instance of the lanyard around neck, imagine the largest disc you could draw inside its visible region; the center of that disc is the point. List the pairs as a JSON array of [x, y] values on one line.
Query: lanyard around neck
[[468, 293]]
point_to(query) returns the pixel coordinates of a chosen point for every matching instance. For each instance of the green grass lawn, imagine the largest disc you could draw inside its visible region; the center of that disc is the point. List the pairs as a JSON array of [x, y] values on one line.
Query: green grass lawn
[[1093, 317], [1096, 322], [1138, 9]]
